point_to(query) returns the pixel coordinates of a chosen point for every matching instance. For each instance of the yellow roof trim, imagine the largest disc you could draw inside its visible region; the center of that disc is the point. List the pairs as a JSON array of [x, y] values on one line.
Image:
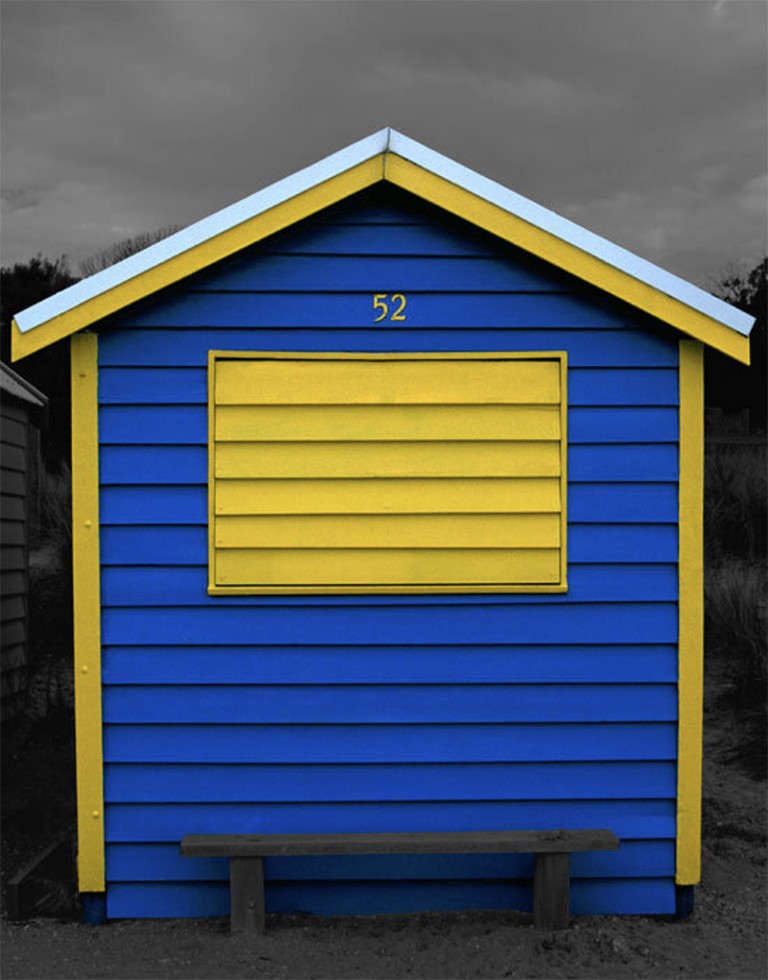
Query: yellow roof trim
[[195, 259], [425, 183], [554, 250]]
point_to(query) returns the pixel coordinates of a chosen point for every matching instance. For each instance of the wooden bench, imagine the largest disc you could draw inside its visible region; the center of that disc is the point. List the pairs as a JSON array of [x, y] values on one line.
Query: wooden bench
[[551, 881]]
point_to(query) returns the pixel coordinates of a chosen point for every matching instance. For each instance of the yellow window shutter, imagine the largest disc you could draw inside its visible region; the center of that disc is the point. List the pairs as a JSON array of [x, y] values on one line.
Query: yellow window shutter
[[387, 472]]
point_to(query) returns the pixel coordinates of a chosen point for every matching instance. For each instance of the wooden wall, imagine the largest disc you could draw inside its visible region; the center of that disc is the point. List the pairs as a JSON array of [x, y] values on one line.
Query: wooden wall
[[364, 713], [15, 435]]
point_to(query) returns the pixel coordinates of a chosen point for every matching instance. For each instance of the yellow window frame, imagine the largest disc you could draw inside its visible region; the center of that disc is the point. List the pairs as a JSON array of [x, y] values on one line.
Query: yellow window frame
[[559, 586]]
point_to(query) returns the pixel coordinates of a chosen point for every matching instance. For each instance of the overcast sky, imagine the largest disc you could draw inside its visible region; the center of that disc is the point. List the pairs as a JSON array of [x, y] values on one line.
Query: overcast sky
[[644, 121]]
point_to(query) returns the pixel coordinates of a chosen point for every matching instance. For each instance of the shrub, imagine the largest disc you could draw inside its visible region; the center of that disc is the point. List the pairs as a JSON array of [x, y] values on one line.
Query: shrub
[[735, 502], [736, 622], [736, 587], [55, 525], [50, 598]]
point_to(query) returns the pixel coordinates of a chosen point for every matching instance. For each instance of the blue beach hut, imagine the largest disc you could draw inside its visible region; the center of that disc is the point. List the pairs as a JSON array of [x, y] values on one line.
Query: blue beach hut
[[387, 509]]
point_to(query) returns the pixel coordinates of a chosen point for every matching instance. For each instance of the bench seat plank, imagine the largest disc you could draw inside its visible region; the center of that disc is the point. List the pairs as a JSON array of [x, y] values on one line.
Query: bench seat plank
[[432, 842]]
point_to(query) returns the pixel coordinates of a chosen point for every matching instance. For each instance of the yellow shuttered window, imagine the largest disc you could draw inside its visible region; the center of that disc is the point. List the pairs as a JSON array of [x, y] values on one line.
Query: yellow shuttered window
[[387, 472]]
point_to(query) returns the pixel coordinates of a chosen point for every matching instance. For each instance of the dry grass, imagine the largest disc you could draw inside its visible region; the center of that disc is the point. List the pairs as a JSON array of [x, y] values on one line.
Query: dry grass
[[55, 534], [736, 596], [736, 606], [50, 682], [736, 502]]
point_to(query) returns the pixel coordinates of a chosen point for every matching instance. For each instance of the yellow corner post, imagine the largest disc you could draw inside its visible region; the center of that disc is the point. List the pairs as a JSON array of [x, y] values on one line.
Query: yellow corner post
[[87, 612], [691, 613]]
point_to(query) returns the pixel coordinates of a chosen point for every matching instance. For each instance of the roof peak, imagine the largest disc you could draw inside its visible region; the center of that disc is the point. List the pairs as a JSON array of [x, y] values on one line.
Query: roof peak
[[388, 155]]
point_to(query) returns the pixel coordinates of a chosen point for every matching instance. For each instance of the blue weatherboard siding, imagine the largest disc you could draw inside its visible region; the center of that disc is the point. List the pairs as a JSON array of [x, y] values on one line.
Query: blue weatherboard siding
[[380, 743], [363, 713], [174, 465], [342, 782], [376, 664], [360, 704], [586, 386], [187, 425], [162, 862], [631, 819], [162, 585], [589, 896], [306, 311]]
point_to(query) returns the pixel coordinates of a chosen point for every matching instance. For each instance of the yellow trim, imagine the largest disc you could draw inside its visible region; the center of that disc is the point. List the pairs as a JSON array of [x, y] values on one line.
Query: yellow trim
[[388, 460], [388, 589], [568, 257], [297, 355], [361, 423], [405, 588], [206, 253], [87, 612], [526, 495], [564, 471], [691, 613], [303, 381], [411, 177], [211, 470]]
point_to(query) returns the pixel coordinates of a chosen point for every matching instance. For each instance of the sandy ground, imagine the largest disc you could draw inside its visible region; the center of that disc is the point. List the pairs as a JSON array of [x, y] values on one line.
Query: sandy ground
[[725, 937]]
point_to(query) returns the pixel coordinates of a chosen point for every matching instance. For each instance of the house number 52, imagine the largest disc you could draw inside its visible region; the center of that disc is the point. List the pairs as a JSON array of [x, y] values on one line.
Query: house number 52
[[380, 303]]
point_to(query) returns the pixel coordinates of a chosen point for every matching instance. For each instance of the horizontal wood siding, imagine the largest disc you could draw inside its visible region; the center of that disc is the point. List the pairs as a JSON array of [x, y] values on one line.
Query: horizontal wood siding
[[161, 862], [372, 712], [588, 896], [632, 819], [361, 448], [386, 743], [14, 533], [592, 387]]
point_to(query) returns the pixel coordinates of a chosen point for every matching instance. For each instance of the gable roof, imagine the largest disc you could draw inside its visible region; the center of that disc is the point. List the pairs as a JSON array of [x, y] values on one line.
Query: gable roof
[[388, 155], [16, 388]]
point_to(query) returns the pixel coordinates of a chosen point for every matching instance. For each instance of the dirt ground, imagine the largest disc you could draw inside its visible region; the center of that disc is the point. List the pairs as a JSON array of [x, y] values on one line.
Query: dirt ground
[[725, 937]]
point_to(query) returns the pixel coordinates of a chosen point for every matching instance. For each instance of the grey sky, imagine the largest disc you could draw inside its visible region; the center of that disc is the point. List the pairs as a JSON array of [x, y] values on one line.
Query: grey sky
[[647, 122]]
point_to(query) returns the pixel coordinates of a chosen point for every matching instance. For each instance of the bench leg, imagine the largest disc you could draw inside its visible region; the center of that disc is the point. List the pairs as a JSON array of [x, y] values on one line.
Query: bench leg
[[246, 889], [551, 884]]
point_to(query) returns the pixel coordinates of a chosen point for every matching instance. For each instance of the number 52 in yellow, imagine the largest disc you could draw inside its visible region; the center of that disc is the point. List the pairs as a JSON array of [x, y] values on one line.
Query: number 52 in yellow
[[380, 303]]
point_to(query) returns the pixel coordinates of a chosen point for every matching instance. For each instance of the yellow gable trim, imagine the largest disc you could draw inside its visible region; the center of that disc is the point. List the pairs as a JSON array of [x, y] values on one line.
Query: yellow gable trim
[[552, 249], [200, 257], [415, 179]]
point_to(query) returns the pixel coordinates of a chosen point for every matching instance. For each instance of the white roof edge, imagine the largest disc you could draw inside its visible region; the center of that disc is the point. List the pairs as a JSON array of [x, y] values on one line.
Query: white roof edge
[[570, 232], [201, 231], [14, 384], [364, 149]]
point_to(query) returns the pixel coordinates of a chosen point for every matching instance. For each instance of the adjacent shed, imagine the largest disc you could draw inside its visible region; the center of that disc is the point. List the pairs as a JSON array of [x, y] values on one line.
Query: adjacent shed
[[387, 516], [24, 411]]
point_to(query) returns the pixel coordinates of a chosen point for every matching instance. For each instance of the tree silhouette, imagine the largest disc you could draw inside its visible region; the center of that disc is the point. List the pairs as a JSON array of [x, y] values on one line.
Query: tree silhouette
[[21, 285], [121, 250], [26, 283], [730, 385]]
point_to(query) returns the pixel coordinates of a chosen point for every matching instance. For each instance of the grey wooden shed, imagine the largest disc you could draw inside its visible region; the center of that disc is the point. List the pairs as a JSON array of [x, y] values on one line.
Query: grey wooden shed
[[24, 414]]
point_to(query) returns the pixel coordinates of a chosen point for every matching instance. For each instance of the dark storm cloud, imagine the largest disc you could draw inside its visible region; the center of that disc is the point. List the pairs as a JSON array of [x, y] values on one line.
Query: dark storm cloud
[[646, 122]]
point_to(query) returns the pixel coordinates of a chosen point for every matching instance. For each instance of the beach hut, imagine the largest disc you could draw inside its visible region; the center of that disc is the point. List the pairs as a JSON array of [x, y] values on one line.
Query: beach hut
[[24, 412], [387, 517]]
